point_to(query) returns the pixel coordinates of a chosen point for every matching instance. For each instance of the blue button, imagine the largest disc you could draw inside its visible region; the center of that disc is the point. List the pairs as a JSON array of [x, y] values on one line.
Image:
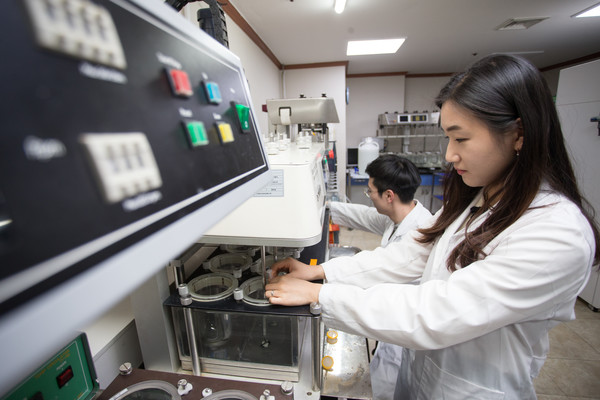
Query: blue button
[[213, 93]]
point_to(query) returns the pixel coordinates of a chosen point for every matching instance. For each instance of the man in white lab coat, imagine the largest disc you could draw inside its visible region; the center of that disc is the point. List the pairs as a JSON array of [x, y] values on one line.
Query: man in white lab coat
[[393, 181]]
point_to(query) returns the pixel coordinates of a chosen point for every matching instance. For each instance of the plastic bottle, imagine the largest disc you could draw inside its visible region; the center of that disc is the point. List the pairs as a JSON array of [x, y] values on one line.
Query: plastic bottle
[[368, 150]]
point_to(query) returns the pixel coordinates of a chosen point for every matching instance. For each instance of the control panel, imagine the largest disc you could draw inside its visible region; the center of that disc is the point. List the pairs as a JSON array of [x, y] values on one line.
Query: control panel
[[125, 133], [69, 374], [118, 119]]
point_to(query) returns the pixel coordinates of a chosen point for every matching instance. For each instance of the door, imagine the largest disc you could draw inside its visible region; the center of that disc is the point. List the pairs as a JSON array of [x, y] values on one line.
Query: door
[[578, 101]]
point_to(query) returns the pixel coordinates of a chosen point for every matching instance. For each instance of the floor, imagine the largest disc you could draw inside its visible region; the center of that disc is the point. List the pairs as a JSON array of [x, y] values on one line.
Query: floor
[[572, 370]]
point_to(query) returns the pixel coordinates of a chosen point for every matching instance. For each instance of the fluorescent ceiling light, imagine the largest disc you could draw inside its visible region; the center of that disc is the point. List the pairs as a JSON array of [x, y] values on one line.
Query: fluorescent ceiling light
[[339, 6], [593, 11], [363, 47]]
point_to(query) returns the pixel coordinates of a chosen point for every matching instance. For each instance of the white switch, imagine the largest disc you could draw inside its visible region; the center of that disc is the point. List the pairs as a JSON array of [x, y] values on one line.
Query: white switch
[[79, 28], [123, 164]]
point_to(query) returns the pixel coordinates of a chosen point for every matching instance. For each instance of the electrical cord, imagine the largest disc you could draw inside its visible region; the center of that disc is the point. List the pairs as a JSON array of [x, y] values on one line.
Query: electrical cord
[[211, 20]]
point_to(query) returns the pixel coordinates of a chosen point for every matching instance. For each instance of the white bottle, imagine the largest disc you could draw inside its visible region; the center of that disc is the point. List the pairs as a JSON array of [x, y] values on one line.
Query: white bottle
[[368, 150]]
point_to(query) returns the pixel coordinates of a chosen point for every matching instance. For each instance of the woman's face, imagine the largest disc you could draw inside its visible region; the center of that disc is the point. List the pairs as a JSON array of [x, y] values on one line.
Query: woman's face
[[478, 155]]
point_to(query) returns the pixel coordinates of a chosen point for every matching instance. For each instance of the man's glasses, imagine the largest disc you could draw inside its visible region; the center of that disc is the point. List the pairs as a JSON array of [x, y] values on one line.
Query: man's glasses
[[368, 192]]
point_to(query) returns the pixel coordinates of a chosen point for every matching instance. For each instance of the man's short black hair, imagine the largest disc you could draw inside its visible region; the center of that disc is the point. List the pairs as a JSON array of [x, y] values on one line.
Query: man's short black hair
[[395, 173]]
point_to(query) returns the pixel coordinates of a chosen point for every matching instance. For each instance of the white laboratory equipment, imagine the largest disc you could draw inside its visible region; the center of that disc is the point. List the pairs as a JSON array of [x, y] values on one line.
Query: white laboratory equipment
[[240, 335]]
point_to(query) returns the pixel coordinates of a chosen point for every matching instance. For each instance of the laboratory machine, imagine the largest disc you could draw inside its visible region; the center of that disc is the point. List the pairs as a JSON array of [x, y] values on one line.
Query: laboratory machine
[[126, 133], [416, 136], [223, 324]]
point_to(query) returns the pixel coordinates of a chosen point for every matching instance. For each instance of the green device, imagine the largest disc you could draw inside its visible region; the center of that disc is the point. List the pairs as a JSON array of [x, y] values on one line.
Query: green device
[[69, 375]]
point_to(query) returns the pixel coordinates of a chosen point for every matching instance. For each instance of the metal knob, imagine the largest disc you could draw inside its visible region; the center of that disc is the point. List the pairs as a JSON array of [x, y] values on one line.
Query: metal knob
[[238, 294], [287, 388], [206, 392], [184, 294], [266, 395], [183, 290], [125, 369], [184, 387], [315, 308]]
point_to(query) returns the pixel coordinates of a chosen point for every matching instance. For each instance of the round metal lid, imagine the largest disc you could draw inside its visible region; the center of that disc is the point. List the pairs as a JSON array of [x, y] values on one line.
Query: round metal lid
[[148, 390], [230, 395], [234, 248], [254, 292], [212, 286], [231, 263]]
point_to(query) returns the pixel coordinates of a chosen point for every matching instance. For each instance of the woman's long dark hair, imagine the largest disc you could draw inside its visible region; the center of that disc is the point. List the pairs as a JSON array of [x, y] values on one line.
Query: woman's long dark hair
[[507, 93]]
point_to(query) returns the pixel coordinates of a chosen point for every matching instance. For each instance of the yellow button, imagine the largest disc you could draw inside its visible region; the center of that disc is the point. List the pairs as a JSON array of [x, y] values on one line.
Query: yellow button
[[225, 133]]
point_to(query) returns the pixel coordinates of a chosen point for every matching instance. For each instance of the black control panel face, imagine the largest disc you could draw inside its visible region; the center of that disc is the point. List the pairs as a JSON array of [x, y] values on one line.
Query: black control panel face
[[115, 122]]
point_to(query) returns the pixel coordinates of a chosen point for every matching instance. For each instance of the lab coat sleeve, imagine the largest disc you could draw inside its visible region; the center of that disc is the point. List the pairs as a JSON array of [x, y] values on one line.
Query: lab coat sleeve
[[402, 261], [358, 216], [533, 270]]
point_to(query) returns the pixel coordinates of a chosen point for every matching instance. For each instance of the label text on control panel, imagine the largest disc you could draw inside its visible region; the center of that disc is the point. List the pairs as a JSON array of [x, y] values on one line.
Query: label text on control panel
[[142, 200], [168, 60], [102, 73], [43, 149]]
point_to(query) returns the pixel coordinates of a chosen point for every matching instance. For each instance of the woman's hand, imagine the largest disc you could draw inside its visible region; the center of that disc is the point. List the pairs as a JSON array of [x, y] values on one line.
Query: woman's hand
[[289, 291], [297, 269]]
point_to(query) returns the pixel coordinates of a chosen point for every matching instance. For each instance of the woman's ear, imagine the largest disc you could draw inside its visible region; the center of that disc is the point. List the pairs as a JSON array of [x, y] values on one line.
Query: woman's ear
[[519, 137]]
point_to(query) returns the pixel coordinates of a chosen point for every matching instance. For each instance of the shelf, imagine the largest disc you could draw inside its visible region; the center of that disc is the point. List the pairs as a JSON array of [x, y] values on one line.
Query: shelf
[[409, 136]]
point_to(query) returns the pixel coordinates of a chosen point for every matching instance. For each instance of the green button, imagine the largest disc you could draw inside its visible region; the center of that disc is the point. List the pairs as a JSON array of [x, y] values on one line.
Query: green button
[[243, 113], [197, 134]]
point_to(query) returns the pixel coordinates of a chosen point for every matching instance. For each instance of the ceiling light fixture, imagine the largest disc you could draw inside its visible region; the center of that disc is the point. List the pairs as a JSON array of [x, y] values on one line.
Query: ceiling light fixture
[[593, 11], [364, 47], [339, 6]]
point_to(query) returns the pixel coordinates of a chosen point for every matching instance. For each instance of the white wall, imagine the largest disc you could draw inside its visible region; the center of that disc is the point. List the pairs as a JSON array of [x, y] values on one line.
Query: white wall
[[264, 78], [312, 82], [370, 97], [420, 93]]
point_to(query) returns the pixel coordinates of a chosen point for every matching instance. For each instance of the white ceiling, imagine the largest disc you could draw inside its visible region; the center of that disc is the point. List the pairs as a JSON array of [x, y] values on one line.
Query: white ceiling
[[442, 36]]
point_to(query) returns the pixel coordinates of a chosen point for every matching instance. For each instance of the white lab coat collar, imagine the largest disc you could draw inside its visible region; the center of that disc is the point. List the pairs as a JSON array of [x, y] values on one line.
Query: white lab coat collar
[[441, 249], [413, 219]]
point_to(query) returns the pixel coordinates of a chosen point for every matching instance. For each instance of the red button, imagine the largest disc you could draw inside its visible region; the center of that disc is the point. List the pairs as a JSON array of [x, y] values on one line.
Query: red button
[[180, 83]]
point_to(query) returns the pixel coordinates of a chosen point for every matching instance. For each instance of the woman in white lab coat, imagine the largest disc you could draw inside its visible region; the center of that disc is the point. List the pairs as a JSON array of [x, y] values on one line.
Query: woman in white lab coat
[[501, 265], [393, 182]]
